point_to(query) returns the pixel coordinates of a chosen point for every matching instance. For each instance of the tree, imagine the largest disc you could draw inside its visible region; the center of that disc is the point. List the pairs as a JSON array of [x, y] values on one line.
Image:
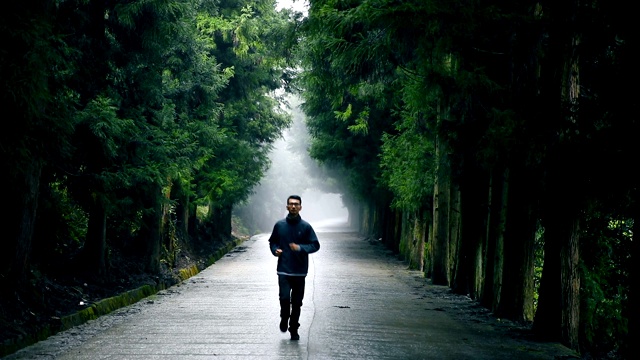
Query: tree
[[39, 99], [247, 38]]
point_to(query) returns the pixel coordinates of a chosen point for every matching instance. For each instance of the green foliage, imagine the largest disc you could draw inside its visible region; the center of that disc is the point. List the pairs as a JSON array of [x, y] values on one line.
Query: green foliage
[[353, 69], [171, 246], [229, 177], [408, 167], [36, 63], [538, 263], [120, 99], [489, 80], [202, 212], [603, 320], [63, 224], [239, 229], [243, 36], [605, 282]]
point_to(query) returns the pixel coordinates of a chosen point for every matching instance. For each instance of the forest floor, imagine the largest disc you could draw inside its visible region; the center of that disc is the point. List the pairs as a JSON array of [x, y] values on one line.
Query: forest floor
[[50, 296]]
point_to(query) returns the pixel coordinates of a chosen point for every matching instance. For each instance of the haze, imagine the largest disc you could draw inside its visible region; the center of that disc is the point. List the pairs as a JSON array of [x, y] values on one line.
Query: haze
[[292, 171]]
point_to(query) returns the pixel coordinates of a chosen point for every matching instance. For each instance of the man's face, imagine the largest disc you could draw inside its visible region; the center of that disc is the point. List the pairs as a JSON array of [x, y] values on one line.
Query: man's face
[[294, 206]]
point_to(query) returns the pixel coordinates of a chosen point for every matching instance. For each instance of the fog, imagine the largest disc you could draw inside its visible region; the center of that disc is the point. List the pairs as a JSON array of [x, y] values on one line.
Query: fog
[[289, 176], [293, 172], [295, 5]]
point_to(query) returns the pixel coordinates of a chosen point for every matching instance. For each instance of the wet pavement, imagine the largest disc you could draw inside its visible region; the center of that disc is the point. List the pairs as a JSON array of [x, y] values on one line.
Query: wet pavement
[[361, 302]]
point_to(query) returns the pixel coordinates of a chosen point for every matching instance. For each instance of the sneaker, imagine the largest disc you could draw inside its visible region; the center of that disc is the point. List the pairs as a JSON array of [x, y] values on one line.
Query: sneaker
[[294, 334], [283, 324]]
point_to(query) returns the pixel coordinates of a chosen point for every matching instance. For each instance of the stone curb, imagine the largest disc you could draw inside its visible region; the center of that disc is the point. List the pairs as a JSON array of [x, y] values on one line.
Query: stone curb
[[108, 305]]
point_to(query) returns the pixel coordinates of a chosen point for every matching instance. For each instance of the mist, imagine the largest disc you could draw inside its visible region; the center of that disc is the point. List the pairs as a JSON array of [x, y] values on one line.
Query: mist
[[293, 172]]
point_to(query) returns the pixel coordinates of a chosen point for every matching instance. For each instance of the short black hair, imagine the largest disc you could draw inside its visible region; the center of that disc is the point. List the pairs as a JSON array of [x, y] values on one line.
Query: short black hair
[[296, 197]]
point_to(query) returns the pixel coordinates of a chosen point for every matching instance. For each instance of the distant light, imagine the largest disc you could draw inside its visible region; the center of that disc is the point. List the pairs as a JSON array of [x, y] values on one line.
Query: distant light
[[295, 5]]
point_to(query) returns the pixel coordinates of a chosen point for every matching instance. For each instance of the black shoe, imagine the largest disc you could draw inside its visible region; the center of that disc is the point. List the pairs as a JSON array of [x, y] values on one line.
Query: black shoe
[[283, 324], [294, 334]]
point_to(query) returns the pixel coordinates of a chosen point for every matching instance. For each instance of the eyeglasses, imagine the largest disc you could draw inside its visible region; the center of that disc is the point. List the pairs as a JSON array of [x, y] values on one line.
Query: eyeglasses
[[293, 204]]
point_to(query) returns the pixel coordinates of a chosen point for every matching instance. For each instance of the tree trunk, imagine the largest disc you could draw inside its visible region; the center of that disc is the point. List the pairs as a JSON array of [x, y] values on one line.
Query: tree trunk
[[182, 208], [547, 321], [517, 278], [454, 228], [560, 320], [400, 218], [557, 317], [193, 222], [23, 202], [152, 224], [168, 229], [366, 216], [411, 246], [570, 280], [494, 242], [630, 311], [353, 211], [405, 231], [225, 221], [441, 194], [220, 221], [391, 228], [419, 230], [473, 212], [428, 252], [570, 254], [499, 267], [94, 254], [381, 211]]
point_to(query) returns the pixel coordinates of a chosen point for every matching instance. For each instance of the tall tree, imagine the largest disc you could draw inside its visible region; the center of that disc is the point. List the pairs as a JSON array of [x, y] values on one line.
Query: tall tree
[[35, 63], [247, 37], [565, 190]]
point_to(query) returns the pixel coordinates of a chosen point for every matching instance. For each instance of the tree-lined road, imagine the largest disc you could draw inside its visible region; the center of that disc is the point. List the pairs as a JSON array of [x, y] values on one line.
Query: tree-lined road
[[361, 302]]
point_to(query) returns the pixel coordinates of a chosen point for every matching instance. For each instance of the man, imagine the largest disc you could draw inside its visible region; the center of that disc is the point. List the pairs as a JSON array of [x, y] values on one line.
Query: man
[[292, 240]]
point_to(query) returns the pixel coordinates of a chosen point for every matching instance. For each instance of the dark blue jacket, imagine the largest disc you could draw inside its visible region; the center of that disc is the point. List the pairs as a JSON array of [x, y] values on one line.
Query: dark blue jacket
[[293, 230]]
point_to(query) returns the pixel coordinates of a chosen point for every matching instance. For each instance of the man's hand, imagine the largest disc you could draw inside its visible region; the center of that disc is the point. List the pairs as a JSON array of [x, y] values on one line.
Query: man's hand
[[294, 246], [278, 252]]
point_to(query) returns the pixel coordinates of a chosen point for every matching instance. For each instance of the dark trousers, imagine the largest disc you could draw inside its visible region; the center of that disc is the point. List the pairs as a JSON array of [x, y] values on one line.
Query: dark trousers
[[291, 294]]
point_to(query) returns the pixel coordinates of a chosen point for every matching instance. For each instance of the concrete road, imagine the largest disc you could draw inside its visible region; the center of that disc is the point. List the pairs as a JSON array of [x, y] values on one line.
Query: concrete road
[[361, 302]]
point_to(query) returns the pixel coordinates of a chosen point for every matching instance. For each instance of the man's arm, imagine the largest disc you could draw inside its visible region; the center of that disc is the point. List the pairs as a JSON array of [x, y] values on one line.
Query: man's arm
[[311, 247], [274, 241]]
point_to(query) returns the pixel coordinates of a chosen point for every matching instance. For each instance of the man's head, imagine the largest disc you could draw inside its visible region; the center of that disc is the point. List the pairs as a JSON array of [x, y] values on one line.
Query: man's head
[[294, 204]]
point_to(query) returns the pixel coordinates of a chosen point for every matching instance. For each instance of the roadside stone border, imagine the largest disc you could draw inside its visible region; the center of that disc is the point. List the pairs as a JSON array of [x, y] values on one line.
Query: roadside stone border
[[108, 305]]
